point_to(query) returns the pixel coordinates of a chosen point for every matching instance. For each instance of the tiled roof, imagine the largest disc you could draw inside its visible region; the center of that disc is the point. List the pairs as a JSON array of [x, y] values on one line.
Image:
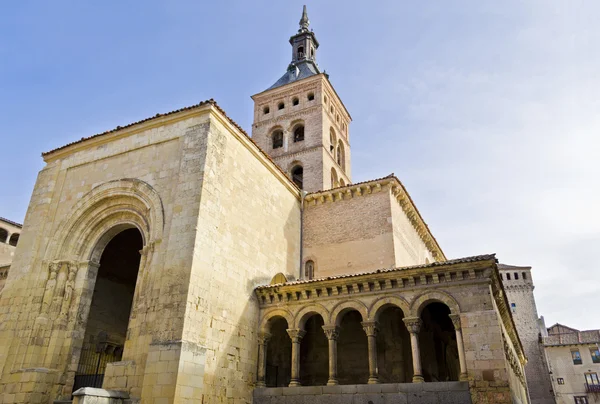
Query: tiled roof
[[296, 72], [118, 128], [11, 222], [475, 258], [202, 103], [505, 267]]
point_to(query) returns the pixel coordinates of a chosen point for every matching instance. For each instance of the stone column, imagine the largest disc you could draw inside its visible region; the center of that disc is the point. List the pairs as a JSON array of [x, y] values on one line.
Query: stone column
[[459, 344], [332, 332], [296, 336], [370, 328], [263, 339], [413, 324]]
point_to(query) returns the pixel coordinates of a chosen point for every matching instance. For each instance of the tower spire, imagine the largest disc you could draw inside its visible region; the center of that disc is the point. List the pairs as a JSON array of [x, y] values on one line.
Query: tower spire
[[304, 22]]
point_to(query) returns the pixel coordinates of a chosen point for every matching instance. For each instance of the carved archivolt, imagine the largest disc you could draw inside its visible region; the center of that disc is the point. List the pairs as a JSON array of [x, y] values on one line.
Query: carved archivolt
[[271, 314], [432, 296], [102, 213], [384, 302]]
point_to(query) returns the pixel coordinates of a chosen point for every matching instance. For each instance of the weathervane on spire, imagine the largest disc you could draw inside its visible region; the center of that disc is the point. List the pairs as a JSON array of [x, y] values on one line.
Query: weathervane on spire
[[304, 22]]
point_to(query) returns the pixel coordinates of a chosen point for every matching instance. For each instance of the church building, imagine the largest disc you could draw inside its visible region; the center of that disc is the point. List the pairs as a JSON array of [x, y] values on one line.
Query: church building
[[180, 260]]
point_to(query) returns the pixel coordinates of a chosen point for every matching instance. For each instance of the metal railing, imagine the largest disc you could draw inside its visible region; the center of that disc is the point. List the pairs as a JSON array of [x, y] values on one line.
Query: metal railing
[[592, 388]]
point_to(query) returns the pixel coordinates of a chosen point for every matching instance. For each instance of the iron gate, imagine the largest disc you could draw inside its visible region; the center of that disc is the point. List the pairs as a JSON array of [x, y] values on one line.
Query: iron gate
[[93, 360]]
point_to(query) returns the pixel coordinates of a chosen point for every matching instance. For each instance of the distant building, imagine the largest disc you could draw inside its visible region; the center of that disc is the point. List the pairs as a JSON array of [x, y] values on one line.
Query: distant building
[[518, 284], [574, 361], [9, 237]]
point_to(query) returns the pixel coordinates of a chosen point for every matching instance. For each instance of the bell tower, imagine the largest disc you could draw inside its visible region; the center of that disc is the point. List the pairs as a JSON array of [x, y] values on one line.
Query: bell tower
[[301, 122]]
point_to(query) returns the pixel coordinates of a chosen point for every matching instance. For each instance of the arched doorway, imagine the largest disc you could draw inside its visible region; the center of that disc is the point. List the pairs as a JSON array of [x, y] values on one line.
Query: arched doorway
[[279, 354], [314, 353], [394, 355], [353, 350], [437, 342], [108, 318]]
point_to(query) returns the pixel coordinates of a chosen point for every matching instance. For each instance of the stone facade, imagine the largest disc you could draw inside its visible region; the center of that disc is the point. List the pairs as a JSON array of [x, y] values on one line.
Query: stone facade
[[489, 353], [177, 260], [518, 283], [187, 338], [325, 139], [9, 238], [574, 361]]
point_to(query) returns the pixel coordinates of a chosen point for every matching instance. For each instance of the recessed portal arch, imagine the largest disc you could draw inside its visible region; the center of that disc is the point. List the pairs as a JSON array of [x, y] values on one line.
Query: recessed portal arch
[[110, 306]]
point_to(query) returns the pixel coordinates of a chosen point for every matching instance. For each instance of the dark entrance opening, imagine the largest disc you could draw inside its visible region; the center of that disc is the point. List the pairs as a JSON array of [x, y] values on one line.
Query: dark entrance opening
[[279, 354], [437, 342], [394, 355], [314, 353], [108, 319], [353, 350]]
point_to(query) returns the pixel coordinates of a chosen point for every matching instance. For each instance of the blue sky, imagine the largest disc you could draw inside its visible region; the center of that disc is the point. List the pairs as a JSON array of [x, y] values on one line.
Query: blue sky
[[487, 111]]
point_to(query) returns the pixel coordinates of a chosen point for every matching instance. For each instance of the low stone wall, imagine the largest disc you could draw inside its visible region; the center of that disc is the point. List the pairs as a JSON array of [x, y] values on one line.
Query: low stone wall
[[401, 393]]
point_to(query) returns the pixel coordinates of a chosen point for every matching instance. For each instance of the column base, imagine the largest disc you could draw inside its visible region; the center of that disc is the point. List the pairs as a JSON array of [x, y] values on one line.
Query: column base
[[373, 380], [463, 377], [294, 383], [260, 385], [332, 382], [418, 379]]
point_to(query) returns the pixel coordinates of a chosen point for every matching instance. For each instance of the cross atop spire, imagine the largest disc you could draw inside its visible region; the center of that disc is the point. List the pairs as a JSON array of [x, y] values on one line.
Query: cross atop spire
[[304, 22]]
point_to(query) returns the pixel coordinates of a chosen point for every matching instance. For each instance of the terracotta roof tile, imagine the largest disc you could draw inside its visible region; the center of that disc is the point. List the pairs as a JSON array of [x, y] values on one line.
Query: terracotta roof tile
[[202, 103], [11, 222], [475, 258]]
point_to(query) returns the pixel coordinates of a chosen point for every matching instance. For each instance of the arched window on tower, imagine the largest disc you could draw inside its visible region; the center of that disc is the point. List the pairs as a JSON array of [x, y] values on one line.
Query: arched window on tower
[[299, 133], [309, 269], [298, 176], [295, 101], [332, 142], [334, 179], [3, 235], [277, 139], [300, 52], [341, 155]]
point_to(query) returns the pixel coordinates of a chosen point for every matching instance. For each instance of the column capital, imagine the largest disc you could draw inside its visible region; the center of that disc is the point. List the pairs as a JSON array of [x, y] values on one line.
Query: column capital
[[263, 337], [370, 327], [331, 331], [296, 335], [455, 321], [413, 324]]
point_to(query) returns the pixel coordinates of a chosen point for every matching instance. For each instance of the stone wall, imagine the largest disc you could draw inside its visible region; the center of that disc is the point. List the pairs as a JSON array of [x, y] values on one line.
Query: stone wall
[[349, 236], [248, 230], [409, 248], [217, 218], [313, 153], [403, 393], [519, 291], [7, 253]]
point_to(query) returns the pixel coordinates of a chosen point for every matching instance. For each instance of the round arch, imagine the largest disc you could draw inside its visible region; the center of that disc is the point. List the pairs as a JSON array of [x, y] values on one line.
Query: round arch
[[342, 308], [382, 303], [104, 212], [434, 296], [294, 124], [308, 311], [273, 313]]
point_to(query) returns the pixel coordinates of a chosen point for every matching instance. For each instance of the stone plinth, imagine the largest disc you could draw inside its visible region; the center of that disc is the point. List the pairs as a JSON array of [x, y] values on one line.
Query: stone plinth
[[397, 393]]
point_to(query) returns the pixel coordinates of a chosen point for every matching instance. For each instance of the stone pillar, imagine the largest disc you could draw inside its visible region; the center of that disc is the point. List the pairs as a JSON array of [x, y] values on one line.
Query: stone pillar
[[459, 344], [370, 328], [413, 324], [263, 340], [296, 336], [332, 332]]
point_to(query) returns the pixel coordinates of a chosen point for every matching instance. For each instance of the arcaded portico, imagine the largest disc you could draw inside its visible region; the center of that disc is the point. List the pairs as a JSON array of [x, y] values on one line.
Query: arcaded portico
[[440, 322]]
